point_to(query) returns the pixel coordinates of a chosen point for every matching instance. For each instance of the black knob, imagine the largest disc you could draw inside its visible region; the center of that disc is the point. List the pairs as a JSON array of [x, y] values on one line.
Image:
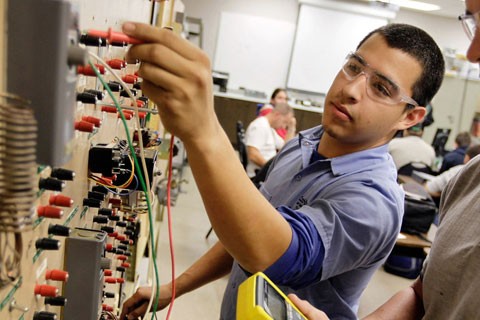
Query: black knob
[[122, 224], [105, 212], [100, 219], [121, 269], [114, 86], [86, 97], [100, 95], [47, 244], [44, 315], [93, 41], [122, 247], [143, 98], [107, 229], [118, 251], [93, 203], [137, 86], [59, 230], [114, 218], [62, 174], [51, 184], [124, 93], [96, 195], [56, 301], [100, 189], [109, 294]]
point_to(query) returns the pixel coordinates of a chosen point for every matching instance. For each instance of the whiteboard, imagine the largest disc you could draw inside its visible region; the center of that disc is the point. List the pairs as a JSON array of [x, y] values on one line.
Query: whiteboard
[[254, 50], [323, 39]]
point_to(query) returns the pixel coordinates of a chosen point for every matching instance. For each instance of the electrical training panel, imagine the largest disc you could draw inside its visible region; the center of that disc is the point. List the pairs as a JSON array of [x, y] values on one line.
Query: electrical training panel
[[74, 219]]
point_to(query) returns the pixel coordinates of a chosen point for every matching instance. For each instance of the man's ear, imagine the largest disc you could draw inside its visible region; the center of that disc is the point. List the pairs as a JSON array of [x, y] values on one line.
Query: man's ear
[[412, 117]]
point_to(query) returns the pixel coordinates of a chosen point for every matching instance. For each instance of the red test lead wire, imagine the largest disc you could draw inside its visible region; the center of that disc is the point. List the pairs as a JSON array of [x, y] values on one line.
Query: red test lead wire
[[113, 36]]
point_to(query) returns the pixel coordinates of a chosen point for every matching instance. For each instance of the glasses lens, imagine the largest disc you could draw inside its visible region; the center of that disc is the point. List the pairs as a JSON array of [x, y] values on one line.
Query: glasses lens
[[469, 25], [379, 88], [383, 90], [352, 67]]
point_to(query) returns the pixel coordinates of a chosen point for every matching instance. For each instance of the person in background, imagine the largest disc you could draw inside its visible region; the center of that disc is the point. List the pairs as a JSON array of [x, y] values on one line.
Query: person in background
[[279, 95], [436, 185], [262, 140], [411, 148], [448, 285], [456, 156], [330, 210], [475, 130]]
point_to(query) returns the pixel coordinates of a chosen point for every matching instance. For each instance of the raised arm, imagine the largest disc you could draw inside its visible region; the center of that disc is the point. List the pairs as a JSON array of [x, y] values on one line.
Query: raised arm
[[177, 76]]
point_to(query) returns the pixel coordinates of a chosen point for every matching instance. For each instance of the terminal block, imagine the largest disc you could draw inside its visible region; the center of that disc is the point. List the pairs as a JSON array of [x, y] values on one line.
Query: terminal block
[[83, 262]]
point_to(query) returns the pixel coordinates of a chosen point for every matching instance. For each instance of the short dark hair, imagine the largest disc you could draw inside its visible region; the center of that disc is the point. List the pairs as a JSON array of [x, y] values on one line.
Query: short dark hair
[[277, 91], [473, 151], [463, 139], [421, 46]]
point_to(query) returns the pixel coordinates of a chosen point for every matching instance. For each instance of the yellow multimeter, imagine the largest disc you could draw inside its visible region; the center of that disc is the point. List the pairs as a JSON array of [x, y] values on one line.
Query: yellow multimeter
[[259, 299]]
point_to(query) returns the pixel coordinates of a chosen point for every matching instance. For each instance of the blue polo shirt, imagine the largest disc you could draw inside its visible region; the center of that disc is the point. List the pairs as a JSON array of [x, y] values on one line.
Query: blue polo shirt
[[345, 214]]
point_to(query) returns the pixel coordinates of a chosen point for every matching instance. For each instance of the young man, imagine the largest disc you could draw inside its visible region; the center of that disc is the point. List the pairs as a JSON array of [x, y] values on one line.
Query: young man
[[261, 138], [330, 210], [448, 286]]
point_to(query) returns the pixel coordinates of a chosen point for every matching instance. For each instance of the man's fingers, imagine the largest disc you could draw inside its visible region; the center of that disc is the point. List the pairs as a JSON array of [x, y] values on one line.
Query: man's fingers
[[160, 56], [148, 33]]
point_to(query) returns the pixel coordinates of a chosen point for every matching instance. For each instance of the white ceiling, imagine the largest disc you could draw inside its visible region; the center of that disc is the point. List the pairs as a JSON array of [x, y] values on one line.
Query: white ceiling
[[449, 8]]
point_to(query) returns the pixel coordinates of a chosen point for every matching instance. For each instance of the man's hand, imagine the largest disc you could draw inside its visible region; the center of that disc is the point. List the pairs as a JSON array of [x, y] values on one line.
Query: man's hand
[[177, 77], [136, 305], [307, 309]]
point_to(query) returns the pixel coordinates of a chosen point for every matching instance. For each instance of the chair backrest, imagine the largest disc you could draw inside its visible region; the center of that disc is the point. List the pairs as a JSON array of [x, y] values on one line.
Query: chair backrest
[[407, 170], [241, 147]]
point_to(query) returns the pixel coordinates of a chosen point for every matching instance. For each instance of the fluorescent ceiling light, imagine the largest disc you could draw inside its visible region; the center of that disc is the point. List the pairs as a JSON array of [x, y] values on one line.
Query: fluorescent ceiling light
[[416, 5]]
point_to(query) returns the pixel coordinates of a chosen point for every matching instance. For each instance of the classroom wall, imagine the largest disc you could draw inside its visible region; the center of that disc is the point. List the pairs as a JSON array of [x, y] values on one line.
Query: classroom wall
[[446, 31]]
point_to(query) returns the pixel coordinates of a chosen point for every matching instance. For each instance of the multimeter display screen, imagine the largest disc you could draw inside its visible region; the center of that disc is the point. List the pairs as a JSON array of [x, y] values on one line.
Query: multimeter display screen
[[274, 303]]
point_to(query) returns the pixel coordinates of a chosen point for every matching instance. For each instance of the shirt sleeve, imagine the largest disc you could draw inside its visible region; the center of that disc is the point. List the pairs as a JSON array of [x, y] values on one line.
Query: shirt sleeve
[[255, 135], [301, 264]]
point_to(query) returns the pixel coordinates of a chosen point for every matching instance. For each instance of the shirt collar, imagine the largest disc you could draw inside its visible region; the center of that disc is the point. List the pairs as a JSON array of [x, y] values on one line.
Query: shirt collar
[[349, 163]]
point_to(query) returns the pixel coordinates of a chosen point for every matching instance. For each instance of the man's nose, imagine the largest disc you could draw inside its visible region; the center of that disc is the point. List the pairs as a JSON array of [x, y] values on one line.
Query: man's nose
[[357, 87], [473, 53]]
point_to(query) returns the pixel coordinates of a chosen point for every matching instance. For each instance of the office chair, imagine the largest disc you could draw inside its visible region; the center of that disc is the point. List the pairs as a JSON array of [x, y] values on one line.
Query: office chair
[[407, 170], [242, 151], [241, 147]]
